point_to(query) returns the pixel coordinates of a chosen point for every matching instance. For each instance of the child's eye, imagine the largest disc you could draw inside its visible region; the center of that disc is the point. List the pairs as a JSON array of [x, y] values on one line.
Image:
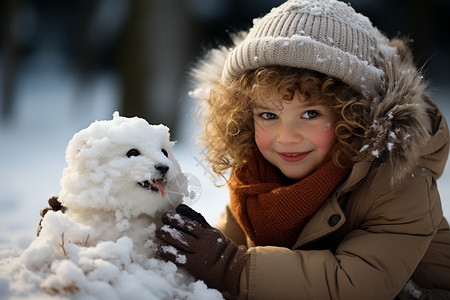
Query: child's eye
[[268, 116], [310, 114]]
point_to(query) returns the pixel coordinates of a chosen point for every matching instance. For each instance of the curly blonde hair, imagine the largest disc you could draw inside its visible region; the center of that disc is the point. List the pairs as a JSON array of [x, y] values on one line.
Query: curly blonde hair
[[228, 113]]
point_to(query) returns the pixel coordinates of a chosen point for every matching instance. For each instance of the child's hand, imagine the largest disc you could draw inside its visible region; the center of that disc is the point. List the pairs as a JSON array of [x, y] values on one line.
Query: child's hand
[[190, 242]]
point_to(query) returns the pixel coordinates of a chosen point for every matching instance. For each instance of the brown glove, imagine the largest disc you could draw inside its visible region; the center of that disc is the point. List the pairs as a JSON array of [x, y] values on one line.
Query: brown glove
[[190, 242], [55, 205]]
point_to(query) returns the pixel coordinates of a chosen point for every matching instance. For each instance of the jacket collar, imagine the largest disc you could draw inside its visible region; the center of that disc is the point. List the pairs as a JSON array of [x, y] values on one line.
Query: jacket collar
[[330, 216]]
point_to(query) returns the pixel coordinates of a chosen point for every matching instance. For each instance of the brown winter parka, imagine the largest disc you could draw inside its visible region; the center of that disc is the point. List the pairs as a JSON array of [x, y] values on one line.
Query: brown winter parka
[[382, 233], [366, 242]]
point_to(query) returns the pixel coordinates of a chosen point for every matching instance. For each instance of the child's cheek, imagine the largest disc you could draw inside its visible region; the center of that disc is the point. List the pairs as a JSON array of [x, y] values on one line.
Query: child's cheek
[[262, 138], [323, 136]]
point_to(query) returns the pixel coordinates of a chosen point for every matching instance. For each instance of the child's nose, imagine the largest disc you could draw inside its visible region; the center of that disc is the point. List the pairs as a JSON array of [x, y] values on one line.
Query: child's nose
[[289, 133]]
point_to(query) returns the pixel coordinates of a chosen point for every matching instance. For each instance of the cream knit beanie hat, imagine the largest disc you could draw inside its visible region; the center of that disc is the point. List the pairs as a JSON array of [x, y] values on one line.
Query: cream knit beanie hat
[[327, 36]]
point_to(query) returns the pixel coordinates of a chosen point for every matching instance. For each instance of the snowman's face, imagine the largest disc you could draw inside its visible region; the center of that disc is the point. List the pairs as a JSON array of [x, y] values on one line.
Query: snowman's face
[[123, 165]]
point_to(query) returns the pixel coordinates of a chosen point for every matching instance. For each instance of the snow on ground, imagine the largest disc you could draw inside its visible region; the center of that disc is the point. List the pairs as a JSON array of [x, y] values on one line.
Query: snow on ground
[[49, 111]]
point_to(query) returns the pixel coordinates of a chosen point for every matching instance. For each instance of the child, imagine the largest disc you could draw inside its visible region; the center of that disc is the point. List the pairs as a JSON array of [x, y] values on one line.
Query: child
[[334, 151]]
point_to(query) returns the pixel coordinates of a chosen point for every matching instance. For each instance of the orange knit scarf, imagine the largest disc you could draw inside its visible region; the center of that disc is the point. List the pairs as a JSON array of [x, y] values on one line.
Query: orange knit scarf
[[272, 213]]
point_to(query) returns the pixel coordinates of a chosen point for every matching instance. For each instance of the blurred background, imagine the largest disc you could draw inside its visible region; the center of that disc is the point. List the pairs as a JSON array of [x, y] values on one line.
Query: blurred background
[[67, 63]]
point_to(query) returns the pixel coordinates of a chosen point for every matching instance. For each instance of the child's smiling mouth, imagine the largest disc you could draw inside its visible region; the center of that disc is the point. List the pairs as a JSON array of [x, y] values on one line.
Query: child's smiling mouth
[[293, 156]]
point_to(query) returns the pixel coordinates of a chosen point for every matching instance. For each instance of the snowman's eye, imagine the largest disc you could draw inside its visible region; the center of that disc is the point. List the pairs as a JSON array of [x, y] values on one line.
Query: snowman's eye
[[133, 152], [165, 152]]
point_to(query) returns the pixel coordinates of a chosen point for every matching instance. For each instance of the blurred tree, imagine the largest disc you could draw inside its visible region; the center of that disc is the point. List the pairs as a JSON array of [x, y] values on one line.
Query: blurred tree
[[131, 67], [9, 11], [153, 55]]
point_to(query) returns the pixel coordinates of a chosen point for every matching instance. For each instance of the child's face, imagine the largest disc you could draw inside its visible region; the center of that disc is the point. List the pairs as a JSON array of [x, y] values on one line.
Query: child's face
[[294, 136]]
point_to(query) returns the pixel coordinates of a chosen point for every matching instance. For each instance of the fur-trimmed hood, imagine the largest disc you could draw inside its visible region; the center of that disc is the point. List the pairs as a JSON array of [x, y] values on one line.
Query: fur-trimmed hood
[[405, 122]]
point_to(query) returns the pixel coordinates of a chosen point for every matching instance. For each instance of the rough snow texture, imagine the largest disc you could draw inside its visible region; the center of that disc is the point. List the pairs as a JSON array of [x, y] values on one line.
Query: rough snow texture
[[411, 289], [103, 246], [337, 10]]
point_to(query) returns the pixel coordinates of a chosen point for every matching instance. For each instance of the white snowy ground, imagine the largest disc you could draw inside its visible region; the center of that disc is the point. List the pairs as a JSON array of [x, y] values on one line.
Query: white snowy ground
[[49, 111]]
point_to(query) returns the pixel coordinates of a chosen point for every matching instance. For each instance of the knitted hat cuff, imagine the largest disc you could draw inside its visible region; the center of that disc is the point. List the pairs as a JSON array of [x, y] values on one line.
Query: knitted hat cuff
[[303, 52]]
